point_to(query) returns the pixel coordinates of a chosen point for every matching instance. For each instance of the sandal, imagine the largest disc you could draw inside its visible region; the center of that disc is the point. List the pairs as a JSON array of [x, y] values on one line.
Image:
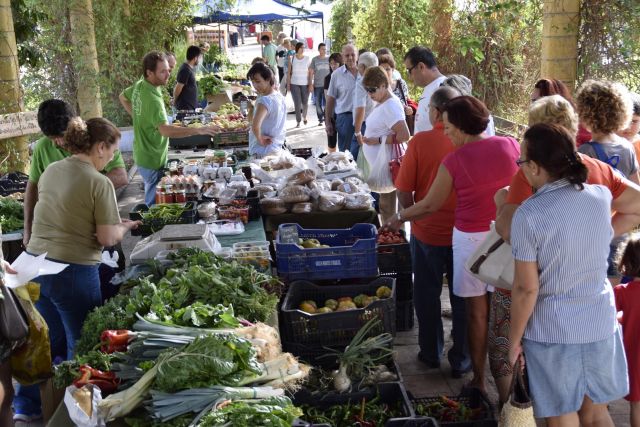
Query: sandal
[[305, 121]]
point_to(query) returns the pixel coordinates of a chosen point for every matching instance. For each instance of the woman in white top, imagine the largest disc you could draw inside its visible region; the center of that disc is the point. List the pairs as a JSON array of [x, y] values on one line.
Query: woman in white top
[[386, 123], [298, 83]]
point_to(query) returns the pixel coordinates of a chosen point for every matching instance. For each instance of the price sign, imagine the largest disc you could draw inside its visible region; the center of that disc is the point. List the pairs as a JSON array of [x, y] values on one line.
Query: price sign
[[18, 124]]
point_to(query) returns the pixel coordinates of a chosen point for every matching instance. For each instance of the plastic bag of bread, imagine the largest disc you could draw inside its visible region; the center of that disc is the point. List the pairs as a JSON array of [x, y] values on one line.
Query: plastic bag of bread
[[354, 180], [358, 201], [294, 194], [345, 187], [304, 207], [302, 177], [273, 206], [335, 183], [263, 188], [331, 201], [323, 184]]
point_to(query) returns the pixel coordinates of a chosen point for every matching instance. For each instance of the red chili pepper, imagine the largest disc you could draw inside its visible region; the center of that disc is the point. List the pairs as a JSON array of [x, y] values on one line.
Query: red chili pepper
[[107, 382], [450, 403], [115, 340]]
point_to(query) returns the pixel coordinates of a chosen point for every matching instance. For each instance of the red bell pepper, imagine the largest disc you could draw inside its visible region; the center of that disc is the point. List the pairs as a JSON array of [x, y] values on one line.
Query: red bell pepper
[[107, 382], [115, 340]]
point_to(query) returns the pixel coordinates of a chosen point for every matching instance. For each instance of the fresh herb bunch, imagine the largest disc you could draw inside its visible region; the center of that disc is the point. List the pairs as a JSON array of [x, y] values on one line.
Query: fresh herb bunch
[[211, 85], [276, 412], [11, 215], [67, 371]]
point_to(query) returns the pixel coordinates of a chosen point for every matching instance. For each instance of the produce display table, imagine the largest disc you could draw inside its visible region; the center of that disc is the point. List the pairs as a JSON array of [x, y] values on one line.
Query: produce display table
[[253, 231], [340, 219]]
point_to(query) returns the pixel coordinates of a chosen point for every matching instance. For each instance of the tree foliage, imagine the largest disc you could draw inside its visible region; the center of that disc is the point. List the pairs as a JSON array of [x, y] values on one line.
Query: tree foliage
[[342, 22]]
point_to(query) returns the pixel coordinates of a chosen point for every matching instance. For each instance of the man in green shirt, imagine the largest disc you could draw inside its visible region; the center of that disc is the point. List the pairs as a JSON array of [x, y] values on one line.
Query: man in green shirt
[[53, 117], [151, 131], [269, 53]]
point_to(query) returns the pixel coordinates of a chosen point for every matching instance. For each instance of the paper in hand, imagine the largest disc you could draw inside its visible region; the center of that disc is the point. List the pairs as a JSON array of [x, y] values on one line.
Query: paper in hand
[[29, 267]]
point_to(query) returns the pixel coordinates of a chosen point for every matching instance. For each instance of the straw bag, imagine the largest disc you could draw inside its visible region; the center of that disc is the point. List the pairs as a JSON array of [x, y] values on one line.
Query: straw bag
[[492, 261], [518, 411]]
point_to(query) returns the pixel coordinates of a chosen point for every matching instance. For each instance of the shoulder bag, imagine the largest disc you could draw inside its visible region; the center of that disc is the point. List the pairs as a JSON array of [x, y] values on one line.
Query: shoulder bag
[[492, 261], [14, 323], [396, 160]]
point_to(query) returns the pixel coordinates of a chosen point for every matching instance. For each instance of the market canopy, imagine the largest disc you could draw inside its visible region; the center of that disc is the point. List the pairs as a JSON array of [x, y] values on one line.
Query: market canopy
[[252, 11]]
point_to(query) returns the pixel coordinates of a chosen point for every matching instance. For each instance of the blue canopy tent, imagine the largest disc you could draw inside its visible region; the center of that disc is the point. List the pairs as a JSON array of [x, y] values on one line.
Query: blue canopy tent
[[255, 12]]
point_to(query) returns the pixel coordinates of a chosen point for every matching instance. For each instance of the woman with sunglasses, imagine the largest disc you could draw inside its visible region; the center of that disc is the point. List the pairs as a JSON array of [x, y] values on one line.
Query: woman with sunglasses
[[386, 123], [475, 171], [563, 315]]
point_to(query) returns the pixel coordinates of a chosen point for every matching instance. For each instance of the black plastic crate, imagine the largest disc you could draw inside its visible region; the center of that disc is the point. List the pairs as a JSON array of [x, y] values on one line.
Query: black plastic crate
[[335, 329], [395, 258], [389, 393], [474, 400], [404, 315], [404, 285], [412, 422], [189, 216]]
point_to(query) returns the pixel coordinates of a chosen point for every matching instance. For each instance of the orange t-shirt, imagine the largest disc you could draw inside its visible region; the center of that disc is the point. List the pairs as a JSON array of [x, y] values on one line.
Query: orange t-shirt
[[417, 173], [599, 173]]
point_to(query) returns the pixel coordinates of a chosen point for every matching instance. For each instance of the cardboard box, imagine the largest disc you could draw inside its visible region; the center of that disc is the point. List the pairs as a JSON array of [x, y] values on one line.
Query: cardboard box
[[217, 101], [51, 398]]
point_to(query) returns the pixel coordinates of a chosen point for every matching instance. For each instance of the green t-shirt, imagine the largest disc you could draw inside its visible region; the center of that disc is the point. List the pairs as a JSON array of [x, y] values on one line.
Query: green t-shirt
[[270, 54], [46, 152], [149, 147], [73, 197]]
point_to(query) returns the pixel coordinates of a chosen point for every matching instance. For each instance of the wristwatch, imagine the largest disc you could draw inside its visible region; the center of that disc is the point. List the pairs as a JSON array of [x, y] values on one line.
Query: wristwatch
[[358, 134], [399, 217]]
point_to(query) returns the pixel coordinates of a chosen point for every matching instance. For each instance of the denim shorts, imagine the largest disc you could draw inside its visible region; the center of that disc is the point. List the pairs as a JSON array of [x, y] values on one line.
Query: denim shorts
[[561, 375]]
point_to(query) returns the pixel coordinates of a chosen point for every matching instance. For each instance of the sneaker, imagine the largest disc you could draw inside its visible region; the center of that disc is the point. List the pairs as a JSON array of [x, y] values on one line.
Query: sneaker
[[27, 418]]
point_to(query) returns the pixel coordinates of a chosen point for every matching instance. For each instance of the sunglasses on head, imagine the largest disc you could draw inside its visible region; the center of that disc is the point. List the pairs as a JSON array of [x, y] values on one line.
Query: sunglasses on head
[[371, 89]]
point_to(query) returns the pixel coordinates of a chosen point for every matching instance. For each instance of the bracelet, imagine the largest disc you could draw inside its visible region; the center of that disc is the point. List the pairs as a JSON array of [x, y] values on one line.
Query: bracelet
[[399, 216], [358, 134]]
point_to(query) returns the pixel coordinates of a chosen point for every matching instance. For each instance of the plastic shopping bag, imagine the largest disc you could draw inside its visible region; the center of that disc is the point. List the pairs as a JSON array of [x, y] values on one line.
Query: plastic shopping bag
[[379, 175], [363, 165], [31, 363], [82, 405]]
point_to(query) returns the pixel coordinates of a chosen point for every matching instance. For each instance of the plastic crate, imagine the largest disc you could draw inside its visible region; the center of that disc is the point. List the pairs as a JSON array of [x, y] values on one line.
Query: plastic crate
[[189, 216], [404, 315], [389, 393], [404, 285], [395, 258], [352, 253], [474, 400], [230, 139], [334, 329], [412, 422]]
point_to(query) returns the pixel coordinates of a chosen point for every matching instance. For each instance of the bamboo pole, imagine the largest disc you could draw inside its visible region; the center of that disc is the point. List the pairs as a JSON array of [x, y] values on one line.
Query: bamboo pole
[[14, 149], [561, 21], [86, 58]]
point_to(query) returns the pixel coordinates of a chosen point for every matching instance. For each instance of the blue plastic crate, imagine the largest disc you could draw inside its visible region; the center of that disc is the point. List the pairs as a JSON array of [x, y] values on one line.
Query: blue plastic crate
[[352, 254]]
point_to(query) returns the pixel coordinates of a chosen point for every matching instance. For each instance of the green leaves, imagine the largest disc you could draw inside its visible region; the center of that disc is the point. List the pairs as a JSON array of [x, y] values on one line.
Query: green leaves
[[11, 215], [276, 412]]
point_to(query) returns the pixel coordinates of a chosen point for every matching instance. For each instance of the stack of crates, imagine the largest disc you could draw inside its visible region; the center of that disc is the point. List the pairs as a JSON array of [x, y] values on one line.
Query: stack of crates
[[394, 261], [346, 267]]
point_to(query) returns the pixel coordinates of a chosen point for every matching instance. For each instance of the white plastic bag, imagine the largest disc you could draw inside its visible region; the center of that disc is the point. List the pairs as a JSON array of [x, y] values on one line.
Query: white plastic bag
[[77, 411], [379, 175]]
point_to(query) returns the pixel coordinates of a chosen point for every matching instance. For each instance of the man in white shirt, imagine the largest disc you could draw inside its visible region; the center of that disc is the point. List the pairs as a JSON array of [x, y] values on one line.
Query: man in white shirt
[[423, 71]]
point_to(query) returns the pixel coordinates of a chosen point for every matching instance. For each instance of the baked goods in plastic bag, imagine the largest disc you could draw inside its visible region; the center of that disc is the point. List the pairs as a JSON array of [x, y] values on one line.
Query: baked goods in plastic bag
[[331, 201], [302, 177], [354, 180], [335, 183], [273, 206], [294, 194], [304, 207], [263, 188], [358, 201], [348, 188]]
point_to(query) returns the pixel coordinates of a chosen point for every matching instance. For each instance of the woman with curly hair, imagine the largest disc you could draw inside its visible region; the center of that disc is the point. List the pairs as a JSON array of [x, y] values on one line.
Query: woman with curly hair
[[605, 108]]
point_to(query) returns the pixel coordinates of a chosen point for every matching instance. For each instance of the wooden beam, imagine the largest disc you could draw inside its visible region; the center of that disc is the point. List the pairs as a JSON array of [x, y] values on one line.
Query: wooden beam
[[561, 21]]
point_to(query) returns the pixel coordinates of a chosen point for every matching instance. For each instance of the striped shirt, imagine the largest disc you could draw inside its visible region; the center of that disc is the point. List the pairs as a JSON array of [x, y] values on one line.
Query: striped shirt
[[341, 88], [567, 232]]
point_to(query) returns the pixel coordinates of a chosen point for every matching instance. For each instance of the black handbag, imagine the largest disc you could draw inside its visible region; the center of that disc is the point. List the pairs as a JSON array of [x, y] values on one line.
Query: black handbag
[[14, 323]]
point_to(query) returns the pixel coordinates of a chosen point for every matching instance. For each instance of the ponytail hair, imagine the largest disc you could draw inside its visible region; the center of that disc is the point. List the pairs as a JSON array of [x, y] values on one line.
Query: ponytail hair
[[81, 136], [551, 146]]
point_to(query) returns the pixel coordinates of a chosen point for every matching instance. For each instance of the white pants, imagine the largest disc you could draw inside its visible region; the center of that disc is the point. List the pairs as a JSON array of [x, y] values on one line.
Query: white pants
[[464, 284]]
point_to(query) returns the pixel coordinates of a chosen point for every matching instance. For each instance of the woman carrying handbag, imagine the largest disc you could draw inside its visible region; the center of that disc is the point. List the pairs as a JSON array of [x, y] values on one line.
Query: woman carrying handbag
[[384, 139]]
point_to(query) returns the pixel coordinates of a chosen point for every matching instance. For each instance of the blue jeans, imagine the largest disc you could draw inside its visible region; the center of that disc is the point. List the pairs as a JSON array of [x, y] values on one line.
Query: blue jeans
[[65, 300], [430, 263], [344, 129], [151, 178], [318, 94]]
